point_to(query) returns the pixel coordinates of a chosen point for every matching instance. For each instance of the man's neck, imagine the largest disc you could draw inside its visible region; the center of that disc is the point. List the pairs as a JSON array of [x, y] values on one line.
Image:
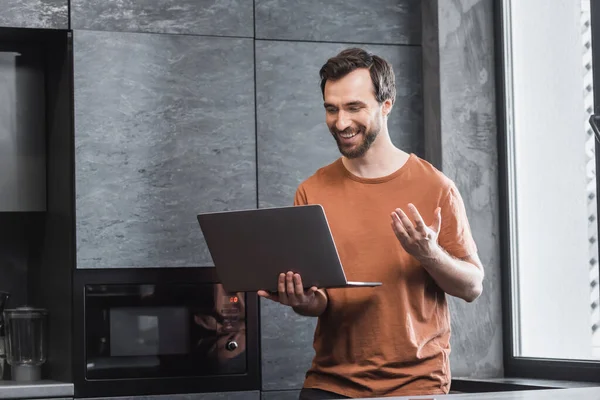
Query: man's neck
[[382, 159]]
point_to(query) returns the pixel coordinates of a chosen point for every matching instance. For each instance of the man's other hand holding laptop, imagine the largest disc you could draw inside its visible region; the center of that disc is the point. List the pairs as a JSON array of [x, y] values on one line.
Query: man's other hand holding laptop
[[290, 292]]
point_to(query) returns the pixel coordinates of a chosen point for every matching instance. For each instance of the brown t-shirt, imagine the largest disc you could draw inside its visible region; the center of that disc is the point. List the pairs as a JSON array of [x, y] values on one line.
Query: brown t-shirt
[[392, 339]]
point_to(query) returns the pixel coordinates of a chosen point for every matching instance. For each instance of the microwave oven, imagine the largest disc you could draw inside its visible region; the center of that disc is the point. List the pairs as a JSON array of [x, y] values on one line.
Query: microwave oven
[[154, 331]]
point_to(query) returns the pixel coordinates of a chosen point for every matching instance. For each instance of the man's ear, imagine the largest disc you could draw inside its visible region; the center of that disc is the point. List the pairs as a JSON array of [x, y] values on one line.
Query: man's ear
[[386, 107]]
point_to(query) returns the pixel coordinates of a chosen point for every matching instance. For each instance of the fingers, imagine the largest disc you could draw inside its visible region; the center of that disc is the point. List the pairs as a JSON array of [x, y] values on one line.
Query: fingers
[[405, 222], [281, 289], [267, 295], [298, 288], [419, 224], [290, 290], [437, 222], [398, 228], [289, 284]]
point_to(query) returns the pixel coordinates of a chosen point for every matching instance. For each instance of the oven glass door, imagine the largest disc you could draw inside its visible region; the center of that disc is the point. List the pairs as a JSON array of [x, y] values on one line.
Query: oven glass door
[[161, 331]]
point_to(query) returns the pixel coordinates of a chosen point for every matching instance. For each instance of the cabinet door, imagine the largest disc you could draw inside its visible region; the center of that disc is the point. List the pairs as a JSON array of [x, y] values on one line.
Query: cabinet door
[[164, 129], [188, 17], [46, 14], [286, 158]]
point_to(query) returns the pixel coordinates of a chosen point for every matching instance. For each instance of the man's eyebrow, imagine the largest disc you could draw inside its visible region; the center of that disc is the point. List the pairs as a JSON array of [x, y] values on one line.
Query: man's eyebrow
[[355, 103], [349, 104]]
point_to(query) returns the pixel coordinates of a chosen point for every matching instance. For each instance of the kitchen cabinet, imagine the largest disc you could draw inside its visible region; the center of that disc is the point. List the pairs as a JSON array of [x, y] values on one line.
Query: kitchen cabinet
[[291, 147], [164, 129], [46, 14], [188, 17], [22, 128]]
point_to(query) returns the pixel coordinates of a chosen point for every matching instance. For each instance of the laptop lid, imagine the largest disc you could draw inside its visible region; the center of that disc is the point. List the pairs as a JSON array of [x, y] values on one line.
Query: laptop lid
[[250, 248]]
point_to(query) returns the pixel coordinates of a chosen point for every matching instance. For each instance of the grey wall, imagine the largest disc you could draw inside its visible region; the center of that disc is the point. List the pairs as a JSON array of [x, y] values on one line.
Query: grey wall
[[45, 14], [192, 106], [293, 140], [164, 129], [166, 125], [291, 146], [461, 140], [190, 17]]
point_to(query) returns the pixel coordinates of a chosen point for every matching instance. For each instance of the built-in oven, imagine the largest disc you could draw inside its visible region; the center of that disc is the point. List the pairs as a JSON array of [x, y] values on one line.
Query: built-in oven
[[145, 331]]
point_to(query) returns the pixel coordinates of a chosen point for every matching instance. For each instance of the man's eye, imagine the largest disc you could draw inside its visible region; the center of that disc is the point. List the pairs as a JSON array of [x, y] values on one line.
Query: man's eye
[[331, 110], [354, 109]]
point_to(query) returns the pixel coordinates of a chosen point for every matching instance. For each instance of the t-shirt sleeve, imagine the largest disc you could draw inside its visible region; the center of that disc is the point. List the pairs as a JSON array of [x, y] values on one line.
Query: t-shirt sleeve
[[300, 197], [455, 233]]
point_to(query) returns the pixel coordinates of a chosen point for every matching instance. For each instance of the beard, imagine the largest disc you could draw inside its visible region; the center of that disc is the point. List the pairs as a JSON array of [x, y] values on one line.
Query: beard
[[368, 137]]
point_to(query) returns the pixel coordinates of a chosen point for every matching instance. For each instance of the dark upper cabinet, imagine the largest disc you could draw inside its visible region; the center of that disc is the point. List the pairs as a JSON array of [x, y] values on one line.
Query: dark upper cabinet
[[164, 129], [46, 14], [22, 129]]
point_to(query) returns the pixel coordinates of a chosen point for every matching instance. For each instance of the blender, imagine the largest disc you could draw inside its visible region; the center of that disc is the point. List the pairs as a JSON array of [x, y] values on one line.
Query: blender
[[26, 342], [3, 299]]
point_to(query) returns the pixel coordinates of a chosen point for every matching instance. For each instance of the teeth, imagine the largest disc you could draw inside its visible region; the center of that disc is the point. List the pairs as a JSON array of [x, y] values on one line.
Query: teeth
[[347, 136]]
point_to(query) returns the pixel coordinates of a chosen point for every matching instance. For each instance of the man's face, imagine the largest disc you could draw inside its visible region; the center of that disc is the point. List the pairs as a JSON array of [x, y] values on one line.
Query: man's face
[[353, 115]]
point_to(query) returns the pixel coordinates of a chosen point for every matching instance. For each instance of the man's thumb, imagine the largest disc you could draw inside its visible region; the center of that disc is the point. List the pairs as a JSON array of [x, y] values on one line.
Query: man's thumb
[[437, 223]]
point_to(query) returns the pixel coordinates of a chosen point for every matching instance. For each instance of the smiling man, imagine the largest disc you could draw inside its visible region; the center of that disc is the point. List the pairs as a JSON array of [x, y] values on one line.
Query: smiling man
[[395, 219]]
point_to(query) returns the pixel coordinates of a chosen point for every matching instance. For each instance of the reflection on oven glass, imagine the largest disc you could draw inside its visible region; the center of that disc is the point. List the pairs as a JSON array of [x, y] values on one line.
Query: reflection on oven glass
[[148, 331], [164, 330], [224, 326]]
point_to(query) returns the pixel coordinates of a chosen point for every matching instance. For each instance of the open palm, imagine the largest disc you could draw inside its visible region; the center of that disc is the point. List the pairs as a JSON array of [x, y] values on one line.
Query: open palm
[[418, 239]]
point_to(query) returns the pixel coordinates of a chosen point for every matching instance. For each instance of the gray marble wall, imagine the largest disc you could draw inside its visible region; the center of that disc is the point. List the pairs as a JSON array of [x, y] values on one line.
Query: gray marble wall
[[46, 14], [339, 21], [164, 129], [293, 140], [158, 138], [292, 145], [460, 59], [193, 17]]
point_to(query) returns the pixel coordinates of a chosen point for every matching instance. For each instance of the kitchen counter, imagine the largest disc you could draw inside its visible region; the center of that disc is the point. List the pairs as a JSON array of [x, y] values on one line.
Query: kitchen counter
[[35, 390], [589, 393]]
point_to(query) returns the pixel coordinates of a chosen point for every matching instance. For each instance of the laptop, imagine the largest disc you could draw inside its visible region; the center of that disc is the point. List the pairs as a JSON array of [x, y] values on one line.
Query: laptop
[[250, 248]]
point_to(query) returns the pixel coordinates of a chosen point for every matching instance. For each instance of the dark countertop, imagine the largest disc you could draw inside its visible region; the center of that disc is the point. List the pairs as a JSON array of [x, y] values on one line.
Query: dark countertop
[[589, 393], [40, 389]]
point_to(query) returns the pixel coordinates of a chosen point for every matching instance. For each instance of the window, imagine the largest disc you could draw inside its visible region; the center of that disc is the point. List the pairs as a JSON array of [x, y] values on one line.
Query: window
[[548, 178]]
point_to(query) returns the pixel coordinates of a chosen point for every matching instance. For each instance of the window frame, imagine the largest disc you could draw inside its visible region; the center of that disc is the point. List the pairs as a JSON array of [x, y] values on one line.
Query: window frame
[[530, 367]]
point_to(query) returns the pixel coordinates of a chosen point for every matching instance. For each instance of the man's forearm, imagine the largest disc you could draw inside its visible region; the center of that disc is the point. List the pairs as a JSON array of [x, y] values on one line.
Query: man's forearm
[[316, 307], [454, 276]]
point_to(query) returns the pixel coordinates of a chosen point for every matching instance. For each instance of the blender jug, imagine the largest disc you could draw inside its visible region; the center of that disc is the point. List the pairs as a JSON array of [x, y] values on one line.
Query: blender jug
[[26, 342]]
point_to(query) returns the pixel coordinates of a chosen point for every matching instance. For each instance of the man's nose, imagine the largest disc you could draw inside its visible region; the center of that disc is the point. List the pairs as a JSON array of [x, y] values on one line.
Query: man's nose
[[342, 122]]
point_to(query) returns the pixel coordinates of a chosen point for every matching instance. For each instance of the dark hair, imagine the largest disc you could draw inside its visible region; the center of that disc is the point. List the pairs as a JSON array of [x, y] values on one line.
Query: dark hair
[[382, 73]]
